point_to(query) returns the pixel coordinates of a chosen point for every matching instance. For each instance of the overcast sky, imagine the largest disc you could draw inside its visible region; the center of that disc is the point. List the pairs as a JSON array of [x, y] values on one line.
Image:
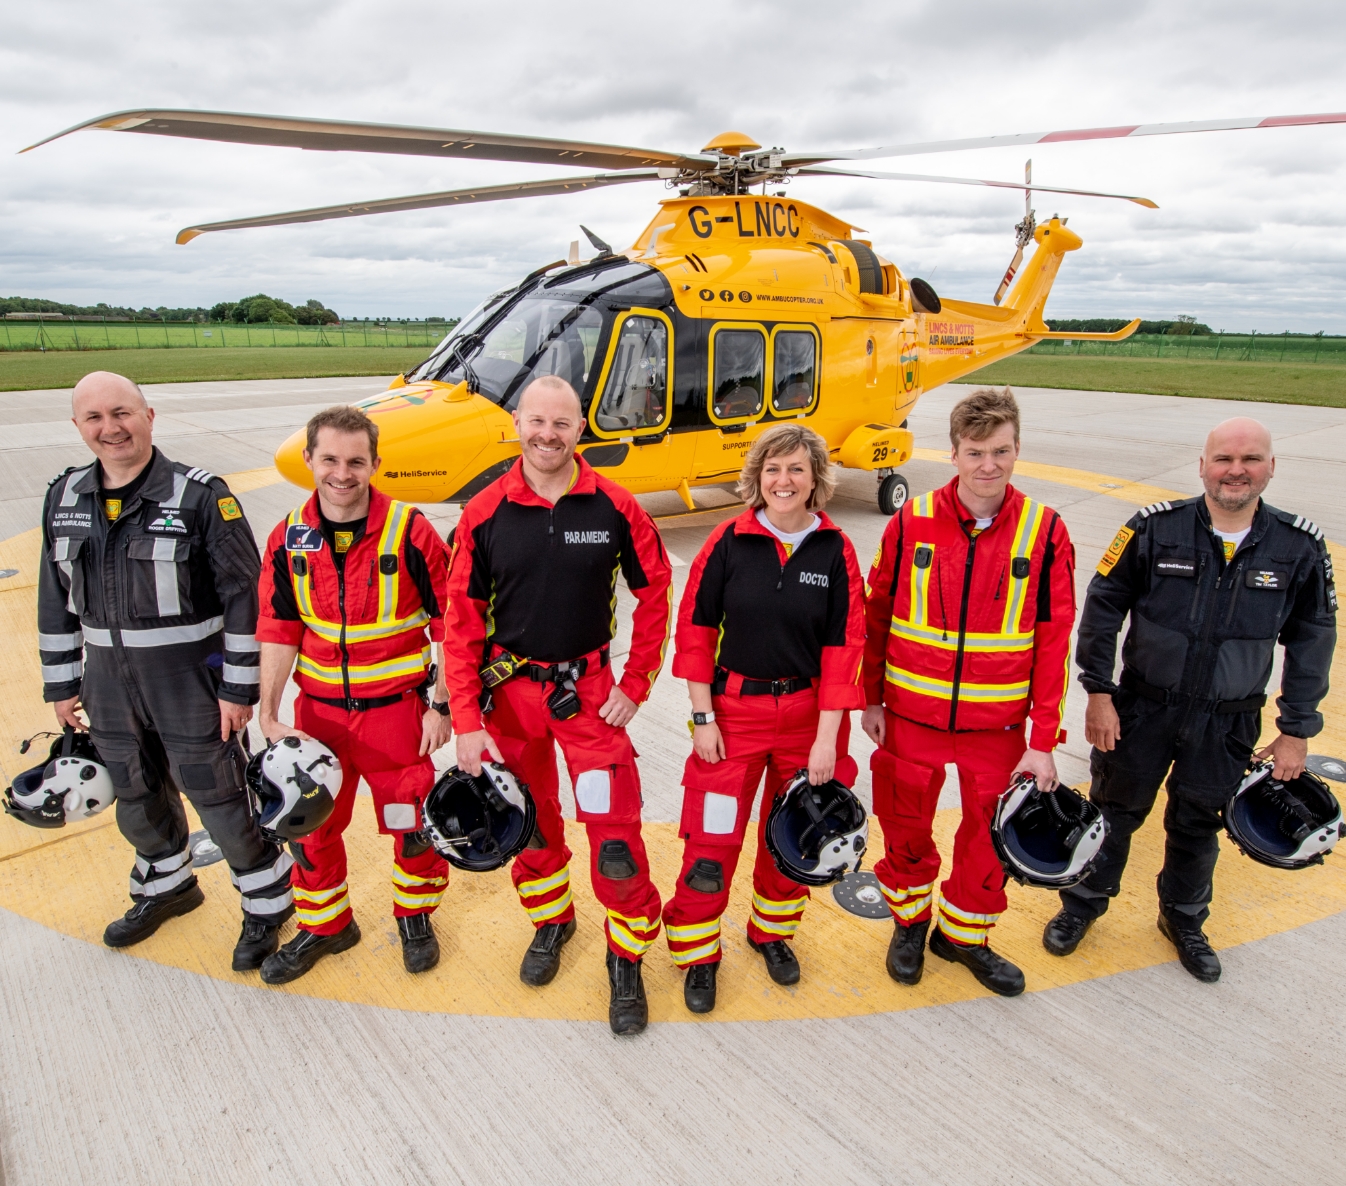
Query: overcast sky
[[1251, 230]]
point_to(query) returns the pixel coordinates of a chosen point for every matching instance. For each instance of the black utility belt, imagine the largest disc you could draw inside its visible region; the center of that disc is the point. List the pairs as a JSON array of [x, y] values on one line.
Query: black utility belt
[[759, 687], [360, 704], [564, 701], [1133, 683]]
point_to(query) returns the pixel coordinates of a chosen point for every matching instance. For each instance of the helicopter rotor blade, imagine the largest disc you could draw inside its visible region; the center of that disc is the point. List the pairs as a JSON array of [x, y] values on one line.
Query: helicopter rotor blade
[[1128, 130], [452, 197], [326, 135], [823, 171]]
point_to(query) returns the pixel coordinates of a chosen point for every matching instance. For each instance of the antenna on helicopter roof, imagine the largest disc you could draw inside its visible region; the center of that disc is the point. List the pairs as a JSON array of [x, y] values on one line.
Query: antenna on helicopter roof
[[604, 250], [574, 257], [1023, 234]]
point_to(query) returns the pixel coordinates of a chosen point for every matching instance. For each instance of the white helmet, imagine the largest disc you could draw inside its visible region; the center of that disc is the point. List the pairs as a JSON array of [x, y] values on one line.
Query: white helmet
[[1050, 839], [1287, 824], [816, 835], [292, 787], [71, 784]]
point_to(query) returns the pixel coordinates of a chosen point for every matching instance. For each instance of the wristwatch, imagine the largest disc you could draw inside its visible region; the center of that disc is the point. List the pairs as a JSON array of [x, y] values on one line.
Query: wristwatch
[[440, 706], [703, 718]]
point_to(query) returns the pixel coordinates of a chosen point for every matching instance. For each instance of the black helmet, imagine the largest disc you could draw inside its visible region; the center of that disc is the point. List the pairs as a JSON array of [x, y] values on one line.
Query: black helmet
[[292, 787], [816, 835], [1286, 825], [1049, 839], [71, 784], [480, 823]]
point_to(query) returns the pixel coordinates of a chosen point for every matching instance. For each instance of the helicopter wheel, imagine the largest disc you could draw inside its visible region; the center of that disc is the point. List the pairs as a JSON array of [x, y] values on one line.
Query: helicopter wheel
[[893, 493]]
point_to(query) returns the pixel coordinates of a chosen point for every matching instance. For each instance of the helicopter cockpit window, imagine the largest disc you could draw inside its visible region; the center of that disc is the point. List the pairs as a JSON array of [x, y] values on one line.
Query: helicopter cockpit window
[[538, 336], [468, 326], [792, 370], [637, 387], [740, 373]]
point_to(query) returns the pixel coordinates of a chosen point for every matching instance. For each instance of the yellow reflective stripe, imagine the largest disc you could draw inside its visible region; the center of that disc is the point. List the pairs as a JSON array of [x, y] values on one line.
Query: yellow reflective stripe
[[331, 631], [303, 588], [774, 926], [693, 931], [365, 672], [326, 914], [965, 916], [622, 931], [402, 877], [943, 640], [530, 889], [908, 903], [785, 907], [927, 685], [920, 589], [390, 544], [550, 909], [1025, 538], [923, 507], [318, 896], [683, 958], [417, 901]]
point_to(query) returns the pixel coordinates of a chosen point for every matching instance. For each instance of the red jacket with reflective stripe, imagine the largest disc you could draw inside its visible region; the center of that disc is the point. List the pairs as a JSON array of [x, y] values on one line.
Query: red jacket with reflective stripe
[[754, 610], [363, 631], [972, 632], [539, 580]]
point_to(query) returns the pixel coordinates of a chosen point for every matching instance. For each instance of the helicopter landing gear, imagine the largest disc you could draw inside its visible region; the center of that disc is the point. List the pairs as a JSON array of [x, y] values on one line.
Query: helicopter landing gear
[[893, 492]]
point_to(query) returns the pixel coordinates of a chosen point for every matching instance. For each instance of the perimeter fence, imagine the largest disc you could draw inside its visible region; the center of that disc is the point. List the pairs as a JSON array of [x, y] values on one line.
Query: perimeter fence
[[97, 334], [1251, 347]]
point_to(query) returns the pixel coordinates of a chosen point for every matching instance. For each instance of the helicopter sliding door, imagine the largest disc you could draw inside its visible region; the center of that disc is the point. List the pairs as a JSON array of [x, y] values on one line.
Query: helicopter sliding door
[[632, 404]]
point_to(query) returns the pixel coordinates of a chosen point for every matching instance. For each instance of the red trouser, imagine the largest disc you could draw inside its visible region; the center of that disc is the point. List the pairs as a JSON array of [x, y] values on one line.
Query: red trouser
[[602, 765], [906, 792], [761, 734], [381, 745]]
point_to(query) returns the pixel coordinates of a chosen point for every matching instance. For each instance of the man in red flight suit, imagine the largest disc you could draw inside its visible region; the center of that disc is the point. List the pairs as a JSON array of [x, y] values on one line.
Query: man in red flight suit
[[351, 582], [971, 601], [531, 601]]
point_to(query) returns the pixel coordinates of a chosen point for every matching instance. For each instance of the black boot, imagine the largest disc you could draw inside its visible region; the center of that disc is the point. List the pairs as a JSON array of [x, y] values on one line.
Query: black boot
[[698, 990], [628, 1012], [542, 960], [781, 964], [906, 953], [992, 971], [1194, 953], [304, 950], [149, 914], [420, 948], [1064, 932], [260, 937]]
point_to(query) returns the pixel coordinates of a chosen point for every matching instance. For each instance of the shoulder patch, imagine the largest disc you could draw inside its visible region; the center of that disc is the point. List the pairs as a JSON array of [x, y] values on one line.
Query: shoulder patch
[[1309, 526], [1114, 550], [229, 509], [204, 476], [1155, 508]]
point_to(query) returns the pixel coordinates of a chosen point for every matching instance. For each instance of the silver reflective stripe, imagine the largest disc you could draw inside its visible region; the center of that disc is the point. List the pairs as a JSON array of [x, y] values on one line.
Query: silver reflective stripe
[[197, 474], [179, 488], [267, 905], [263, 877], [163, 636], [60, 642], [68, 495], [62, 673], [242, 675], [166, 578], [60, 550], [161, 885], [241, 642], [165, 865]]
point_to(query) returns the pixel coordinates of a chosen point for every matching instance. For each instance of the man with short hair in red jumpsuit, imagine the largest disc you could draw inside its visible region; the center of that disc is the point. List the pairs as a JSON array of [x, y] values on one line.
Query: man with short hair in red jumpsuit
[[532, 601], [971, 602], [353, 588]]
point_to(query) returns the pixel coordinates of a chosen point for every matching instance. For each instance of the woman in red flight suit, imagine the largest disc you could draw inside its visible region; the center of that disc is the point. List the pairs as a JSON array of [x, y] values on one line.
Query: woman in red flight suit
[[770, 638]]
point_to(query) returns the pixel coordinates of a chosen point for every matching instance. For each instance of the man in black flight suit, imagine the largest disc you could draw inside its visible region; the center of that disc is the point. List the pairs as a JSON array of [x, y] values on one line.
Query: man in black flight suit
[[1211, 584], [147, 610]]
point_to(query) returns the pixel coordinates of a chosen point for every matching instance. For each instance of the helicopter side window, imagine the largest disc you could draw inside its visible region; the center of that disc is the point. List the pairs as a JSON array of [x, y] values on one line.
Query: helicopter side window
[[792, 370], [636, 394], [740, 373]]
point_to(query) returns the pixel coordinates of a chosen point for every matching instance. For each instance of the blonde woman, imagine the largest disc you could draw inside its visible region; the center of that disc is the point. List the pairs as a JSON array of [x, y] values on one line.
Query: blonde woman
[[770, 637]]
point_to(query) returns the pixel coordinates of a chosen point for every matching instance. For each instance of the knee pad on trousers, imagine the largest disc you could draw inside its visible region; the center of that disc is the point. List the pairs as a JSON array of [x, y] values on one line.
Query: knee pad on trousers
[[705, 876], [300, 857], [414, 844], [537, 839], [615, 861]]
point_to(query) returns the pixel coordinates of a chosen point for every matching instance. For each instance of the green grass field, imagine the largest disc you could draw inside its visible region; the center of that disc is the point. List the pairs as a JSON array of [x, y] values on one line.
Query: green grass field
[[23, 371], [148, 335], [1289, 382]]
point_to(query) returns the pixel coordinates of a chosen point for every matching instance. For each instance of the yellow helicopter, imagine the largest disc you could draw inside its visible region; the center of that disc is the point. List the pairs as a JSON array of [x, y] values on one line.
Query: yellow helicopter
[[736, 308]]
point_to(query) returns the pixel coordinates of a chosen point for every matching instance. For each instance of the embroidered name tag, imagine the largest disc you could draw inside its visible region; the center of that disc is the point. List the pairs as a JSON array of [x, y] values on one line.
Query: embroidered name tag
[[167, 523], [300, 537], [1175, 568], [1261, 578]]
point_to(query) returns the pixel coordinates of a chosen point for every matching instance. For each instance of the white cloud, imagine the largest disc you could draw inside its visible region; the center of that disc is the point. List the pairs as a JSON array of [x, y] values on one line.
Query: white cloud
[[1249, 234]]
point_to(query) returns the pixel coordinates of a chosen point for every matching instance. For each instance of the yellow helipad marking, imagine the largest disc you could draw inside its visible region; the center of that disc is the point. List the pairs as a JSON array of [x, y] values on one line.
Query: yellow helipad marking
[[74, 882]]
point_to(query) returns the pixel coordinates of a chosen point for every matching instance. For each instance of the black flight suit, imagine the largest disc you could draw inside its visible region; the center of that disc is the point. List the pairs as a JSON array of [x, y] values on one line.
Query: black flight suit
[[150, 620], [1195, 666]]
